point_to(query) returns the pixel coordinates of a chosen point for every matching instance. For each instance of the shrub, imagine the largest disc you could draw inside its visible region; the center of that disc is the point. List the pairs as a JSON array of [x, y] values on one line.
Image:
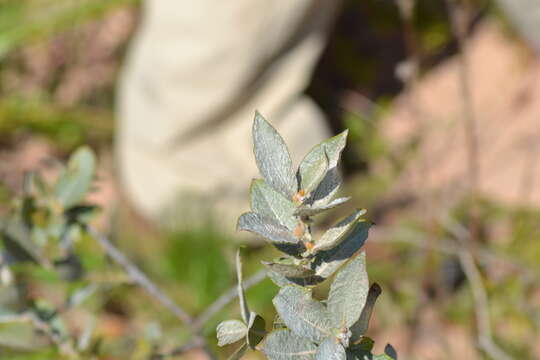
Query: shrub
[[283, 206]]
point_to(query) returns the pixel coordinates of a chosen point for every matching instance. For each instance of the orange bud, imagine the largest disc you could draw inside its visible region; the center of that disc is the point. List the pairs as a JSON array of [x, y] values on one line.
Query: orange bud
[[299, 195]]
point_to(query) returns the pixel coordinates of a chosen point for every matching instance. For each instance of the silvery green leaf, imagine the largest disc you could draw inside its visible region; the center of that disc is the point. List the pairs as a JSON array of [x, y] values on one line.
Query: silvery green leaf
[[330, 183], [230, 331], [302, 314], [310, 210], [273, 157], [256, 330], [237, 355], [331, 147], [335, 235], [266, 227], [330, 349], [289, 270], [312, 170], [244, 310], [349, 292], [76, 180], [286, 345], [329, 261], [360, 327], [268, 202]]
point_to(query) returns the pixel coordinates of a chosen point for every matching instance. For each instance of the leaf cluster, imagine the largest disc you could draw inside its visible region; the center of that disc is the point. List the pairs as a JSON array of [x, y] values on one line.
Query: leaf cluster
[[38, 236], [283, 206]]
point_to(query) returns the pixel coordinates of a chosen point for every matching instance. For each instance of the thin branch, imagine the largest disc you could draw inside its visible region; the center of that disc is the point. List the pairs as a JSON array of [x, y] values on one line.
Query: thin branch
[[210, 311], [408, 71], [459, 21], [480, 298], [447, 246], [196, 343], [225, 299], [140, 278]]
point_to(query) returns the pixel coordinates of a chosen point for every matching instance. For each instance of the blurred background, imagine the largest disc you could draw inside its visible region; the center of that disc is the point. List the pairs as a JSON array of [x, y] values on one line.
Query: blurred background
[[442, 101]]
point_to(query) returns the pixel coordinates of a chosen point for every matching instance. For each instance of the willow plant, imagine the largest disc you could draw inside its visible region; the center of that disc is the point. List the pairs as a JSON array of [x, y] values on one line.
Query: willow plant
[[283, 206]]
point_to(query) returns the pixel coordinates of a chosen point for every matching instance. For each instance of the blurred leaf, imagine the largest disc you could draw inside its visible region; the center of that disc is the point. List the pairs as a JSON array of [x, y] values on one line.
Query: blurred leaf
[[76, 180], [17, 244], [19, 335], [349, 292], [273, 157], [285, 345], [69, 268], [81, 214]]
